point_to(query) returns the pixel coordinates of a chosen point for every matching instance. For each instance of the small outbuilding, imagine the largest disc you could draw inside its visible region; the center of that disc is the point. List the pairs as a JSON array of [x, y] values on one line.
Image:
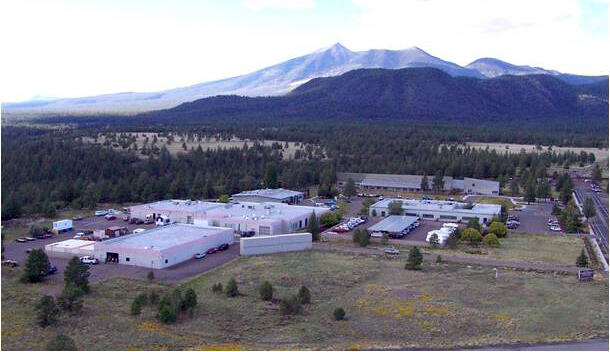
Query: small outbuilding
[[69, 248]]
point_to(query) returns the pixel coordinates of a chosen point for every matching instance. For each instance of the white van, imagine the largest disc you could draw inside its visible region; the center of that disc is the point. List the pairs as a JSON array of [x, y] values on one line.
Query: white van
[[163, 220]]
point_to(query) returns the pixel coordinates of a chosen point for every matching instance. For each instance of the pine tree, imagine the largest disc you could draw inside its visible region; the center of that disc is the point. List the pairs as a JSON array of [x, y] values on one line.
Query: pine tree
[[46, 311], [304, 296], [36, 266], [582, 260], [313, 227], [415, 259], [425, 184], [266, 291], [588, 208], [77, 275], [231, 289], [350, 188]]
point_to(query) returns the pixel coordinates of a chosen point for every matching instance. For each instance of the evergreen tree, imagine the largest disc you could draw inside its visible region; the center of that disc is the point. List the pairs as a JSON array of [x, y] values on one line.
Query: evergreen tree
[[271, 178], [582, 260], [231, 289], [77, 275], [588, 208], [425, 184], [415, 259], [438, 183], [266, 291], [530, 192], [349, 190], [304, 296], [395, 208], [36, 266], [46, 311], [514, 188], [596, 174], [61, 342]]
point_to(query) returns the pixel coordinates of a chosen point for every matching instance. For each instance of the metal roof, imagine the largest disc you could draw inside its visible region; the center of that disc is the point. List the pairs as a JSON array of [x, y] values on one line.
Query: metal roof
[[441, 206], [394, 223], [274, 193]]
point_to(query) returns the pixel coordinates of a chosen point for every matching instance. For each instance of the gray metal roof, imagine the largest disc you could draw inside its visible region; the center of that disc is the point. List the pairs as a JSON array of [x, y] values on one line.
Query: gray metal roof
[[274, 193], [393, 223]]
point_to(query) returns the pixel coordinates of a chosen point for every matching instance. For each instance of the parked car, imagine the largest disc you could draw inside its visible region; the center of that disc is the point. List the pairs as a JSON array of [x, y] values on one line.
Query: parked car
[[77, 218], [110, 217], [21, 240], [377, 234], [52, 270], [223, 247], [101, 212], [46, 235], [79, 235], [30, 239], [199, 255], [138, 230], [247, 234], [148, 221], [555, 228], [392, 251], [211, 251], [89, 260], [10, 263], [126, 217]]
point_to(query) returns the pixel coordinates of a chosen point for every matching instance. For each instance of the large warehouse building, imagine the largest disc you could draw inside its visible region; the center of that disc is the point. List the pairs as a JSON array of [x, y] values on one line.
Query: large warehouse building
[[162, 247], [439, 210], [412, 183], [261, 218], [278, 195]]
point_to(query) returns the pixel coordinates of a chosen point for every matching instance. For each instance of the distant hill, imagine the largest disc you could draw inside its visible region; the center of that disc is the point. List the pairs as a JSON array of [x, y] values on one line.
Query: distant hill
[[420, 94], [281, 79]]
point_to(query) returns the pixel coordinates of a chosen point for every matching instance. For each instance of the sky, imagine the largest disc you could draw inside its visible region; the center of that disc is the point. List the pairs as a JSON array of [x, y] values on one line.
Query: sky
[[75, 48]]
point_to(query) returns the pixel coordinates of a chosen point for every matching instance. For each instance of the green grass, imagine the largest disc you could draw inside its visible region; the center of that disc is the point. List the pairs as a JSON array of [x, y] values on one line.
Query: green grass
[[387, 307], [497, 200]]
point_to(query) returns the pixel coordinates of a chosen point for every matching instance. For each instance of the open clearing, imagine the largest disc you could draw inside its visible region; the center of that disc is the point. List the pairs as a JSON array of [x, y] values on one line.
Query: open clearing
[[600, 154], [175, 144], [387, 307]]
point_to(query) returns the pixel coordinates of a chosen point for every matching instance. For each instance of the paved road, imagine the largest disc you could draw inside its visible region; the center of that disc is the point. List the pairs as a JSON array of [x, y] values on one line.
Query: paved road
[[560, 268], [599, 223], [591, 345]]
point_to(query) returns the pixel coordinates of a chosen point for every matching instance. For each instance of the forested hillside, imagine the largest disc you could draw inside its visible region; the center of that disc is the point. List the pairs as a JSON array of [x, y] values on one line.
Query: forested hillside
[[47, 169]]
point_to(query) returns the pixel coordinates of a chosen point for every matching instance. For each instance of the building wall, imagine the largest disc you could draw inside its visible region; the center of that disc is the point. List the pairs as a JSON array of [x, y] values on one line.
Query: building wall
[[483, 187], [436, 215], [275, 244]]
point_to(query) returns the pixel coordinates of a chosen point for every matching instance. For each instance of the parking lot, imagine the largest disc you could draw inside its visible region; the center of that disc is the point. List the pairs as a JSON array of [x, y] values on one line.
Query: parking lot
[[534, 219], [17, 251]]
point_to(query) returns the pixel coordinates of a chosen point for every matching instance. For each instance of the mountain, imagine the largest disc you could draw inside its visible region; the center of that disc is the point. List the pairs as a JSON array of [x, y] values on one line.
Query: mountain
[[418, 94], [490, 67], [281, 79]]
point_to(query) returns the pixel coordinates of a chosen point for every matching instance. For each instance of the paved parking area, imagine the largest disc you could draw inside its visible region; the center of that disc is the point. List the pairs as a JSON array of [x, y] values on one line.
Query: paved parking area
[[100, 223], [177, 273], [534, 219]]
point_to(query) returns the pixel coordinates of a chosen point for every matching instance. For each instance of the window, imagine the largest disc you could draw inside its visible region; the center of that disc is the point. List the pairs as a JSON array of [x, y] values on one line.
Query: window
[[189, 219], [306, 221], [300, 223], [410, 214], [428, 216], [126, 259], [165, 261], [264, 230], [448, 217], [383, 213]]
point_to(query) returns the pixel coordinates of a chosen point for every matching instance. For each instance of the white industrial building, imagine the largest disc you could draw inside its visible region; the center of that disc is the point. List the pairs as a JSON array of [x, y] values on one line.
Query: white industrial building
[[275, 244], [278, 195], [162, 247], [70, 248], [267, 218], [439, 210], [412, 183]]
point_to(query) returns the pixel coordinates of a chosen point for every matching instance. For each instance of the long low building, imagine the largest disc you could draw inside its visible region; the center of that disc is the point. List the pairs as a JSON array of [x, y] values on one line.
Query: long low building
[[261, 218], [438, 210], [70, 248], [162, 247], [275, 244], [412, 183], [394, 224], [278, 195]]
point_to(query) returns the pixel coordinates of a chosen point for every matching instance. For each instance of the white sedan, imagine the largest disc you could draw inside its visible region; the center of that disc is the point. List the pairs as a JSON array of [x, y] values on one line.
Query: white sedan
[[392, 251], [89, 260], [377, 234]]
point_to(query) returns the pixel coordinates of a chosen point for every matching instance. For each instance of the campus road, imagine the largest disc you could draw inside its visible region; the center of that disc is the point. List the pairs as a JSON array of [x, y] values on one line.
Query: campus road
[[591, 345], [599, 223]]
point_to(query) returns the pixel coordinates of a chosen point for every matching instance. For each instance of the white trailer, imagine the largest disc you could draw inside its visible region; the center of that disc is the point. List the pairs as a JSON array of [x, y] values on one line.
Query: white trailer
[[62, 225]]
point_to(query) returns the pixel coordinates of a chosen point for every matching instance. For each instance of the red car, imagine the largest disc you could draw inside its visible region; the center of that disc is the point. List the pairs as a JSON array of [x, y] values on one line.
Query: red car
[[211, 251], [110, 217]]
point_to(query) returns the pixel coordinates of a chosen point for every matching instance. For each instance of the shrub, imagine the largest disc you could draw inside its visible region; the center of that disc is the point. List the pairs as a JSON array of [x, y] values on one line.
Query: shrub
[[71, 299], [77, 274], [217, 288], [474, 224], [491, 240], [582, 260], [395, 207], [266, 291], [291, 306], [170, 307], [167, 315], [36, 231], [452, 241], [153, 297], [498, 228], [61, 342], [415, 259], [151, 275], [434, 240], [136, 307], [330, 219], [471, 235], [339, 314], [231, 290], [361, 237], [46, 311], [439, 259], [190, 299], [304, 295]]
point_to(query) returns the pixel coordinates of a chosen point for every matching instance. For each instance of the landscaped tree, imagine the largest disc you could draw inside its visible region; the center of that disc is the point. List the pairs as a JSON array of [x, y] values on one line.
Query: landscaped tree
[[266, 291], [189, 301], [330, 219], [71, 299], [543, 189], [498, 228], [361, 237], [304, 296], [438, 182], [530, 192], [596, 174], [415, 259], [339, 314], [314, 227], [425, 184], [224, 198], [395, 208], [46, 311], [290, 306], [588, 208], [61, 342], [349, 190], [231, 289], [434, 240], [582, 260], [77, 275], [474, 224], [471, 235], [491, 240], [36, 231], [366, 205]]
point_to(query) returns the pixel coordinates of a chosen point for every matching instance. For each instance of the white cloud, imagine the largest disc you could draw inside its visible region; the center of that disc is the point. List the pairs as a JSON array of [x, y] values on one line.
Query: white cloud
[[545, 33], [279, 4]]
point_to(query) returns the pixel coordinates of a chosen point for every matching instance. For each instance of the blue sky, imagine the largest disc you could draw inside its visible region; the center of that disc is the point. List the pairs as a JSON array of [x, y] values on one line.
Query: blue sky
[[80, 48]]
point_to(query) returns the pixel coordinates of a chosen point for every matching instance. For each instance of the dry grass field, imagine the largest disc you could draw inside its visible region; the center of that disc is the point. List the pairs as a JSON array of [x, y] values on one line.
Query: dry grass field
[[600, 154], [387, 307], [211, 143]]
